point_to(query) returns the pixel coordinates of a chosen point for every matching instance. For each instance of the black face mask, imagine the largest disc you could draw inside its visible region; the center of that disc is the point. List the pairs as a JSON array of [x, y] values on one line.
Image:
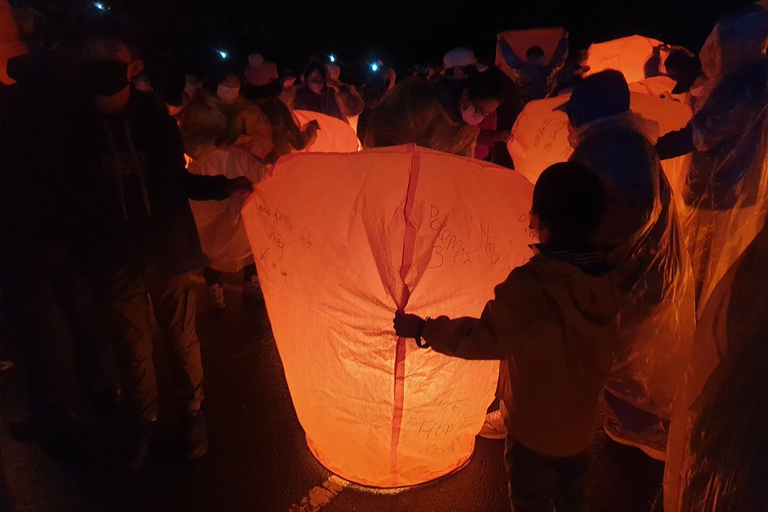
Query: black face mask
[[105, 77]]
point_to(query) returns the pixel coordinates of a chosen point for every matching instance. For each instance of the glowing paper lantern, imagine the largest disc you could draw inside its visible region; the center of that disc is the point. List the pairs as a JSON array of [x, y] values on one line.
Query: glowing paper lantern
[[343, 240], [521, 40], [334, 136], [540, 135], [219, 225], [627, 54], [10, 43], [660, 86]]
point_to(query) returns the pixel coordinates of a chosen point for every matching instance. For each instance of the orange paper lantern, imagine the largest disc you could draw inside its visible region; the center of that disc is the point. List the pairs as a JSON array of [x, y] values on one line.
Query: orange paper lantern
[[10, 42], [341, 241], [627, 54], [334, 136], [521, 40]]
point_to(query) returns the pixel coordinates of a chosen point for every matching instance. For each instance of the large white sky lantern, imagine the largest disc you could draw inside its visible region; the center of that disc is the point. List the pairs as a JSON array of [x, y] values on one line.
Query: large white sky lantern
[[341, 241], [334, 136], [627, 54]]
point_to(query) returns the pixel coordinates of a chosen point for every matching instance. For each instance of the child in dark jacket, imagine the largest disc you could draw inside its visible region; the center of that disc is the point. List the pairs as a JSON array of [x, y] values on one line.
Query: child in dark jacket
[[554, 322]]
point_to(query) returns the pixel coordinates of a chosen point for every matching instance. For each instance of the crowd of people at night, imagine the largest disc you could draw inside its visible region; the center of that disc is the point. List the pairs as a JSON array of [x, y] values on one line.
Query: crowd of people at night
[[646, 291]]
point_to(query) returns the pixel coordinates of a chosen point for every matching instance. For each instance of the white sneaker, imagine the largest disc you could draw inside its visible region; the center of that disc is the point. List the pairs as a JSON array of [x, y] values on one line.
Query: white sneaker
[[651, 440], [216, 296], [494, 427], [252, 288]]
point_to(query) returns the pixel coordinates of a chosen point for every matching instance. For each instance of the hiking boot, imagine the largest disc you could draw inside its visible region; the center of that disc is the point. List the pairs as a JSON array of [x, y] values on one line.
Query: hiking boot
[[195, 440], [494, 427], [651, 440], [216, 296], [252, 288]]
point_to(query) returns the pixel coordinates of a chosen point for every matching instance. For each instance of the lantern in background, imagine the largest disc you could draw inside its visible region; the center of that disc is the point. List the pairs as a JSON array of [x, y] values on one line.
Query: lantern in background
[[627, 54], [341, 241], [540, 135], [219, 225], [334, 136], [521, 40], [10, 42]]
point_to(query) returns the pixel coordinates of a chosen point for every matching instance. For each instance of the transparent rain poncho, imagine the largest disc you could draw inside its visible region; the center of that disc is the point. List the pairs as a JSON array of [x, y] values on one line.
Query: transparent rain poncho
[[726, 188], [657, 315], [717, 457], [412, 113], [204, 127]]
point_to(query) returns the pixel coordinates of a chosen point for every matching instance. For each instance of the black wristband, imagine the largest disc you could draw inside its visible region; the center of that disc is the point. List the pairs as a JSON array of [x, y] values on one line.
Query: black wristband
[[419, 342]]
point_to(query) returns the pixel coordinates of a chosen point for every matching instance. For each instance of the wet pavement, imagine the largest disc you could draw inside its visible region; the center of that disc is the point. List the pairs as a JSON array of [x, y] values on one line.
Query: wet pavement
[[258, 459]]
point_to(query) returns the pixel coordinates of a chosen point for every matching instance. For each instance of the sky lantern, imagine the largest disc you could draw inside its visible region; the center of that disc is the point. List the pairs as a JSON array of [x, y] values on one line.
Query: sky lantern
[[540, 135], [10, 42], [341, 241], [218, 222], [521, 40], [334, 136], [627, 54]]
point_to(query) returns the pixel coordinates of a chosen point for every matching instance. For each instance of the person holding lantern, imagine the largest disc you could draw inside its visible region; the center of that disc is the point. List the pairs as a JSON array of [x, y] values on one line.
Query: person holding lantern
[[226, 134], [263, 87], [322, 93], [124, 153], [554, 323], [535, 74], [444, 115]]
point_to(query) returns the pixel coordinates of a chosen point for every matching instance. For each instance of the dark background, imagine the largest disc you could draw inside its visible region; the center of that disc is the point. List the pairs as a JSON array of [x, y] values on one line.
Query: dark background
[[185, 34]]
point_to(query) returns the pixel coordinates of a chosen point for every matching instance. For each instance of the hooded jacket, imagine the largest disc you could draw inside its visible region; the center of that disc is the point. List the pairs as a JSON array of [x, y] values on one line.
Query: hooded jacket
[[127, 175], [341, 104], [417, 111], [555, 327]]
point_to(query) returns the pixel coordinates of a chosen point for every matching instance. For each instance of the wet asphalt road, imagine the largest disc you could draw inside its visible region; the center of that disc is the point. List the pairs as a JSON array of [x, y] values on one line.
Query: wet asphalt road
[[258, 459]]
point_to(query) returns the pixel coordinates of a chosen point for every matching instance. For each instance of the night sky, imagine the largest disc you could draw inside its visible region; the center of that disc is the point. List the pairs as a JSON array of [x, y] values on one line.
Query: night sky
[[401, 33]]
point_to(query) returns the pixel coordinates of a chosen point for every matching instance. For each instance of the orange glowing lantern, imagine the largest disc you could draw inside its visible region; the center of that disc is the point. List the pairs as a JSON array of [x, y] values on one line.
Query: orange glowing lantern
[[10, 43], [627, 54], [521, 40], [540, 134], [341, 241], [334, 136]]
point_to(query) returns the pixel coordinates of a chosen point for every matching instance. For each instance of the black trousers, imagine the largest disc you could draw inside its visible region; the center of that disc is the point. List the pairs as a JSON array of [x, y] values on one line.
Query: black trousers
[[131, 293], [540, 483]]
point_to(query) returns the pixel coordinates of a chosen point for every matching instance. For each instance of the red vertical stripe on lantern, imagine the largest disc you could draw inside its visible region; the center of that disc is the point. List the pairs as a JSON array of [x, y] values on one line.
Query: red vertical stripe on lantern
[[409, 246]]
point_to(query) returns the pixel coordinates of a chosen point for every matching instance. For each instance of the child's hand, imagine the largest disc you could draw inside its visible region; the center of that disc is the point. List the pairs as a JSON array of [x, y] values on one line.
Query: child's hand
[[408, 326]]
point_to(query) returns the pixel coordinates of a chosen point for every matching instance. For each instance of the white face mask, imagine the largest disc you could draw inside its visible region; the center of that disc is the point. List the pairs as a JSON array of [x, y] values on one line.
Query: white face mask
[[228, 93], [470, 115]]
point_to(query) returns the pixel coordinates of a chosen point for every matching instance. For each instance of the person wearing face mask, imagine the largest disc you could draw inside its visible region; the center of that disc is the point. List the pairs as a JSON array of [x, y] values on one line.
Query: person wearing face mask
[[124, 157], [47, 295], [324, 94], [226, 134], [440, 115], [264, 87]]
